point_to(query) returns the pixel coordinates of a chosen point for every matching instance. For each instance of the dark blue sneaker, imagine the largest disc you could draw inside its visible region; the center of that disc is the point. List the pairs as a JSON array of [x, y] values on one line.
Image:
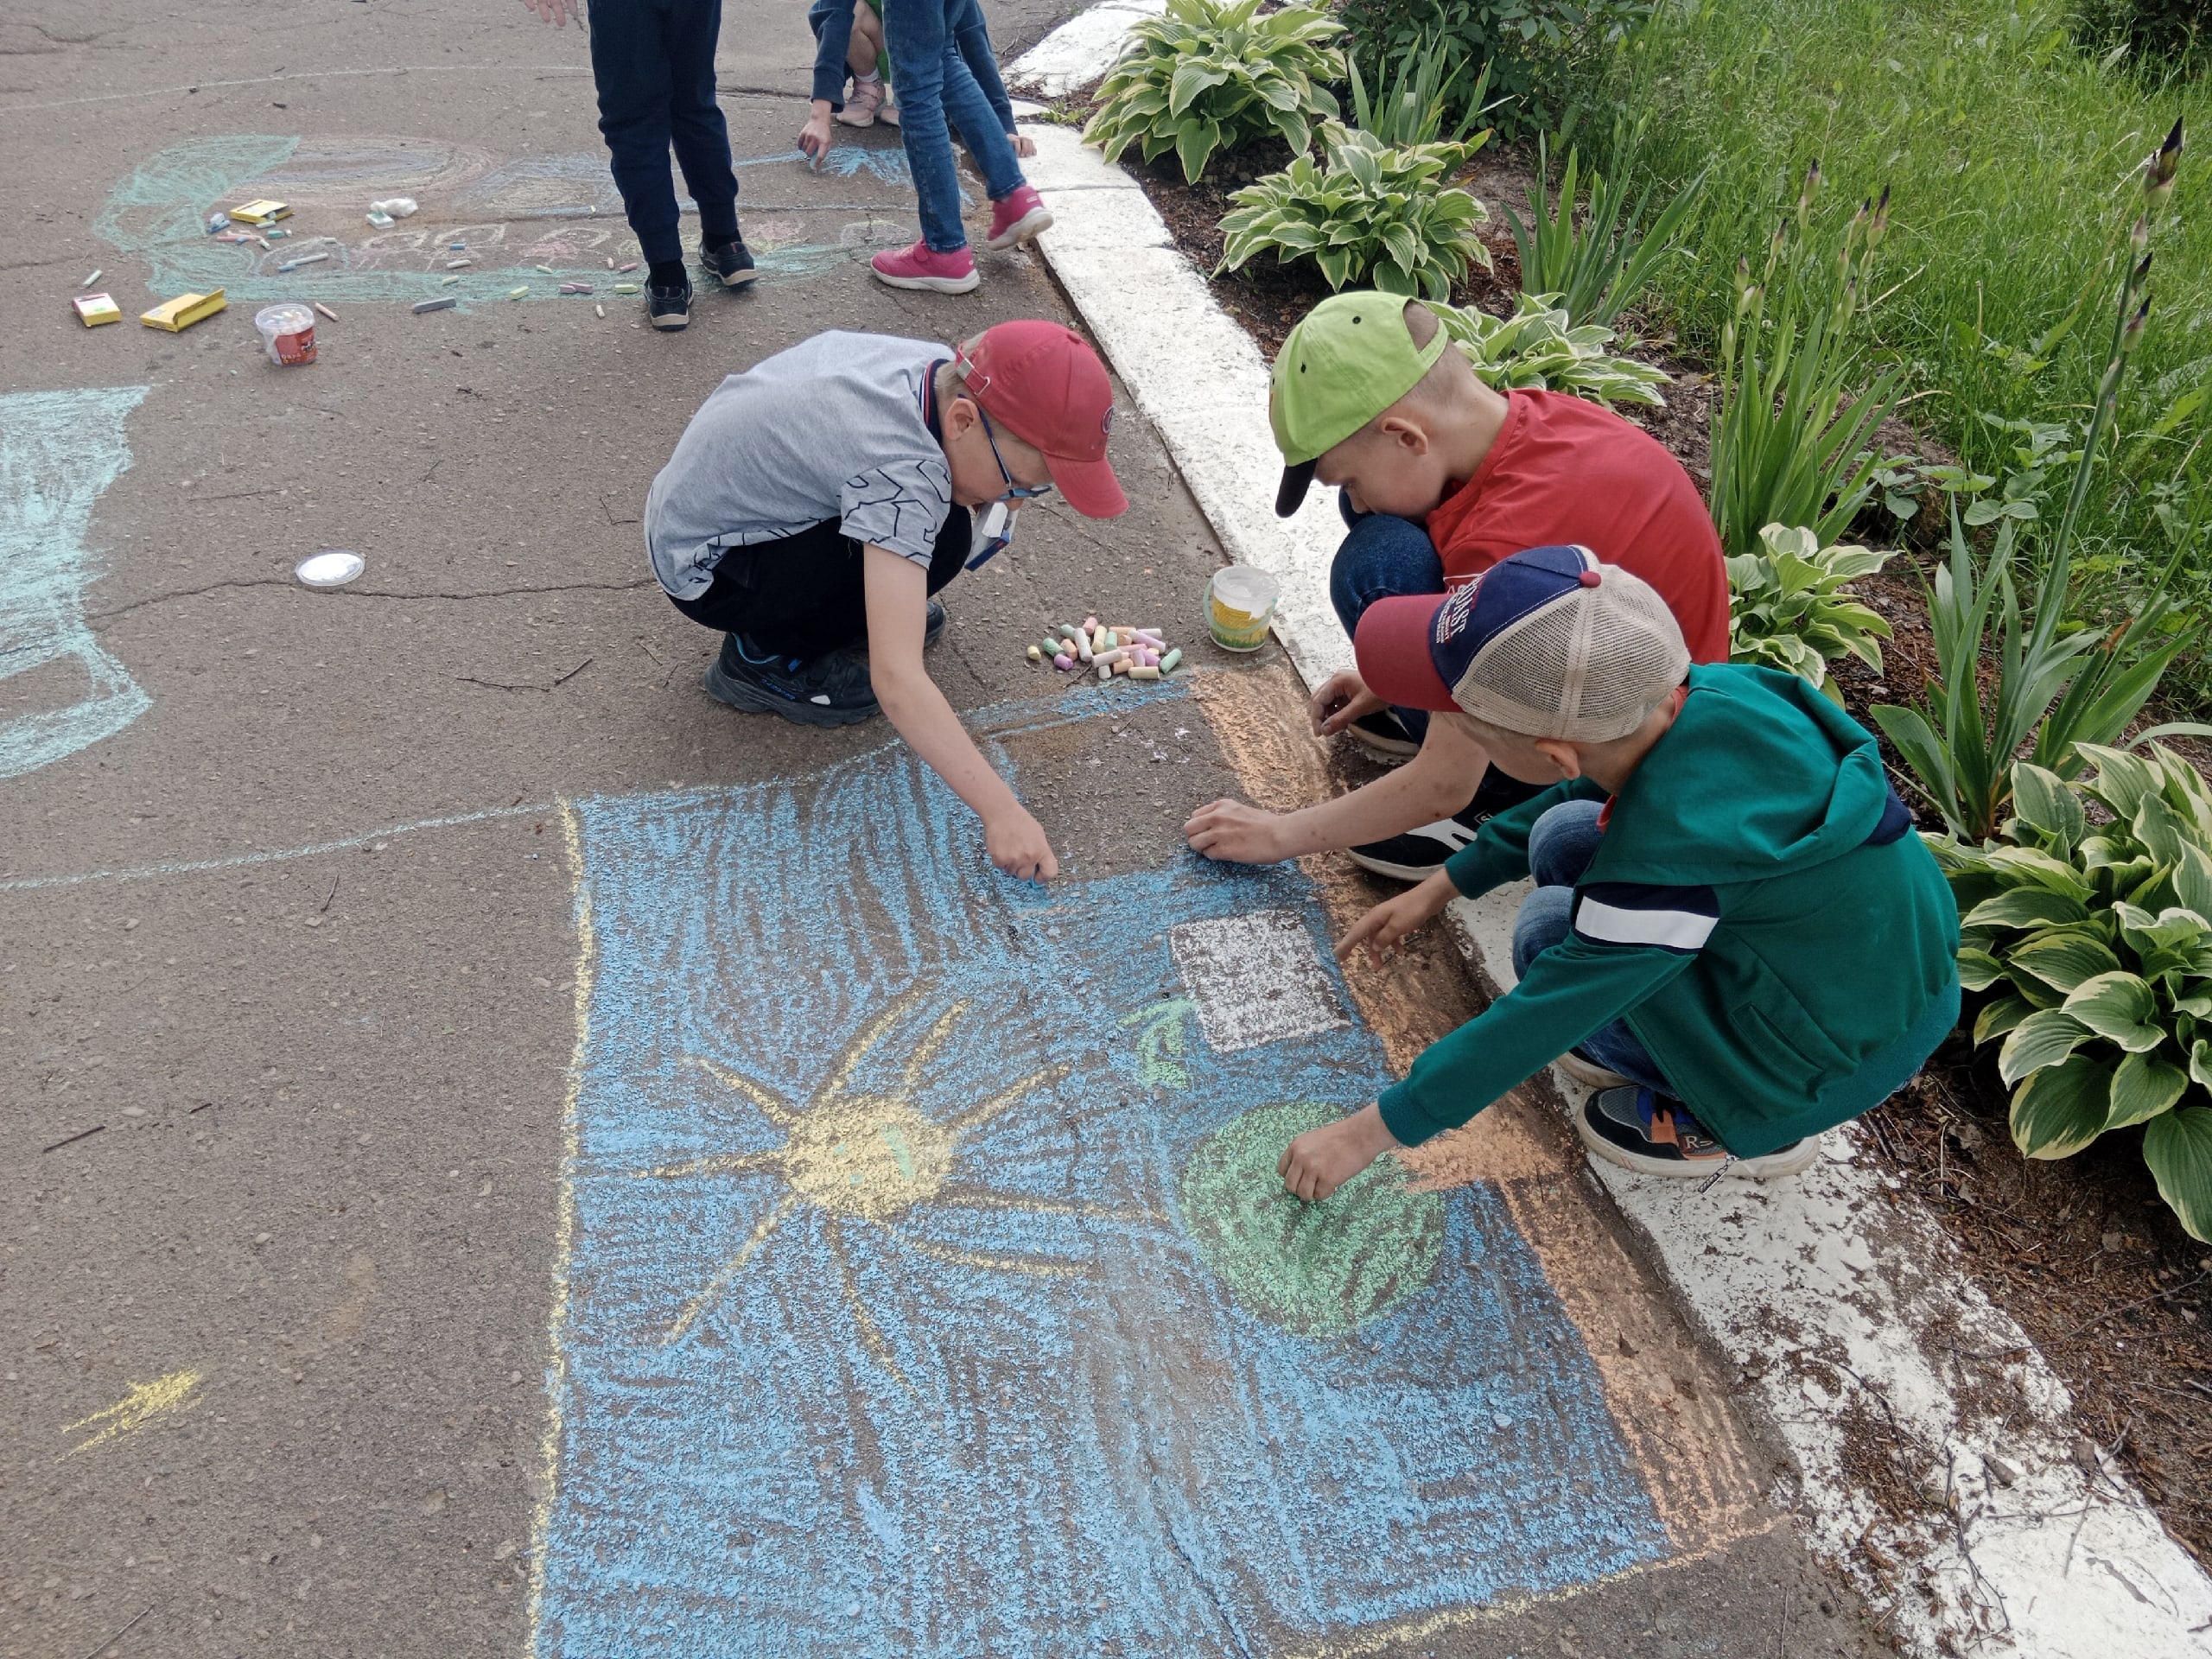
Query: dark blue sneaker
[[729, 264], [936, 624], [831, 691], [1642, 1130], [668, 309]]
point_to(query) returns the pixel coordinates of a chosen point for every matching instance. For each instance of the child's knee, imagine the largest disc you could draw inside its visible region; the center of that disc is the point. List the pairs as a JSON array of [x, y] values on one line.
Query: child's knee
[[1562, 842], [1542, 922]]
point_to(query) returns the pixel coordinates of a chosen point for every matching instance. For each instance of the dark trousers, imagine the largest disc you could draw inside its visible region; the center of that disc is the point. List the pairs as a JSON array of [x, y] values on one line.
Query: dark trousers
[[806, 595], [654, 64], [1383, 558]]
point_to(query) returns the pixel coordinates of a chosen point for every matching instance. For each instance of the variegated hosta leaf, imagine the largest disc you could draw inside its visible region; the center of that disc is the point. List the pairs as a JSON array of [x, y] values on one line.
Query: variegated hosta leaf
[[2144, 1085], [2121, 1007], [2044, 1038], [2062, 1109], [2179, 1148], [1999, 1017], [2062, 960]]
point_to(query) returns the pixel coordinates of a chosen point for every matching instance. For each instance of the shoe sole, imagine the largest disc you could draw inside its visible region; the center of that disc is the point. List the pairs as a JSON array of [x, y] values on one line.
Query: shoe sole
[[1389, 748], [934, 284], [844, 120], [1772, 1167], [753, 701], [743, 279], [1029, 226], [672, 325], [1584, 1071], [1395, 872]]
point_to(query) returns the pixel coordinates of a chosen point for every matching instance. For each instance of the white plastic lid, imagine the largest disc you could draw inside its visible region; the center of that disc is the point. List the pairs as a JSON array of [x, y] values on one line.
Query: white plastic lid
[[332, 567], [1245, 588]]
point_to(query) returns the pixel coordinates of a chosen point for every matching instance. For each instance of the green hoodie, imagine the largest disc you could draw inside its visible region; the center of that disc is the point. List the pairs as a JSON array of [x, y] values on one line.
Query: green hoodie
[[1758, 911]]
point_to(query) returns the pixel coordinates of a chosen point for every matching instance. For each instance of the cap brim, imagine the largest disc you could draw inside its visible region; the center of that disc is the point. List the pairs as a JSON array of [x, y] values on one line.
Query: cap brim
[[1090, 487], [1392, 647], [1291, 494]]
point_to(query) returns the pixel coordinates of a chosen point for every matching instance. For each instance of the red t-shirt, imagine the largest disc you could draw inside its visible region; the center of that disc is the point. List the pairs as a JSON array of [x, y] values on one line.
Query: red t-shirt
[[1566, 472]]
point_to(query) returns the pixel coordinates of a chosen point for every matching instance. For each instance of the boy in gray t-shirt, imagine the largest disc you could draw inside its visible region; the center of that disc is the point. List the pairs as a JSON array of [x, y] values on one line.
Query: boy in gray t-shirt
[[819, 498]]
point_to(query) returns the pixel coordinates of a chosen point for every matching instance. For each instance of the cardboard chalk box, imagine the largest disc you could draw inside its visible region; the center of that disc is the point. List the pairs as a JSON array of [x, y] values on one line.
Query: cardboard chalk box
[[179, 314], [261, 212], [92, 309]]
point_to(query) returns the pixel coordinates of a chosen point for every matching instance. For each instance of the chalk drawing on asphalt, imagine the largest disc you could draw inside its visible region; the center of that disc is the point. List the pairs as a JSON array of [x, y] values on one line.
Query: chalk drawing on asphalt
[[59, 453], [147, 1402], [516, 214], [900, 1312], [1256, 979]]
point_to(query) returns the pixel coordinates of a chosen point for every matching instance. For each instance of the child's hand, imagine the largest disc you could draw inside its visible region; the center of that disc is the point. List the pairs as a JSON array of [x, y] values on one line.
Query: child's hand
[[1342, 698], [1017, 845], [814, 137], [1231, 832], [1387, 925], [555, 12], [1024, 145], [1321, 1160]]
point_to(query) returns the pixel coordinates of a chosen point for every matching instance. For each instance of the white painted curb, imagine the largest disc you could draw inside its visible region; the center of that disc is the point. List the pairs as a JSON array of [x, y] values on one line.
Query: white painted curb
[[1853, 1317], [1861, 1332]]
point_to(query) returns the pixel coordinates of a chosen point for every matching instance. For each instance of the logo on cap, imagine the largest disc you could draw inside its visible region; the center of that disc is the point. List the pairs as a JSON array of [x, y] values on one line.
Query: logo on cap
[[1452, 615]]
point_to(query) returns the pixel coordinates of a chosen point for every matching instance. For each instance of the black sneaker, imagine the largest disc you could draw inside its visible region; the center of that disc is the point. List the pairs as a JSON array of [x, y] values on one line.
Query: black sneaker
[[1644, 1131], [729, 264], [831, 691], [1385, 733], [1419, 854], [668, 309], [936, 627]]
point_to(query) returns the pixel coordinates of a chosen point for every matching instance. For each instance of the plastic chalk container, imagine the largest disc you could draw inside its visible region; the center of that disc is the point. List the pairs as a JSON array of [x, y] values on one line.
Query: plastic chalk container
[[287, 332], [1240, 604], [332, 567]]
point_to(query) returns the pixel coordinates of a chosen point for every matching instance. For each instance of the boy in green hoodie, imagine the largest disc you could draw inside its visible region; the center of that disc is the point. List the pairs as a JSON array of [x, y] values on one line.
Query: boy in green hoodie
[[1735, 932]]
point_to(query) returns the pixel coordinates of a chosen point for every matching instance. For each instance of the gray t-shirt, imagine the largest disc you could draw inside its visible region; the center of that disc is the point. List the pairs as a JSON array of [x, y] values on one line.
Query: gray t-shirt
[[832, 429]]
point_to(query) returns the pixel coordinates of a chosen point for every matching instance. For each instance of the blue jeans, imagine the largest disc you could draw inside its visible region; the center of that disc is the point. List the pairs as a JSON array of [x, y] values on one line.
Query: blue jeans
[[936, 84], [1382, 559], [1560, 848], [653, 61]]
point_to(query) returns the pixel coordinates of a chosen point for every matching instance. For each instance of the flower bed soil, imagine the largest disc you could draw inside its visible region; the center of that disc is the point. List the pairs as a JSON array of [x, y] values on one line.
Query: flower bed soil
[[2082, 1253]]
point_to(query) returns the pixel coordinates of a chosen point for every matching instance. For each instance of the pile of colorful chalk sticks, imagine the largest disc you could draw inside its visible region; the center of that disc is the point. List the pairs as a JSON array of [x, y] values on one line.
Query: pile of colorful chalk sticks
[[1141, 653]]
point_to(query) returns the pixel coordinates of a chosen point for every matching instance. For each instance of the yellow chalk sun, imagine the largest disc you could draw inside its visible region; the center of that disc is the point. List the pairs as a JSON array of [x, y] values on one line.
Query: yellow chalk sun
[[871, 1160]]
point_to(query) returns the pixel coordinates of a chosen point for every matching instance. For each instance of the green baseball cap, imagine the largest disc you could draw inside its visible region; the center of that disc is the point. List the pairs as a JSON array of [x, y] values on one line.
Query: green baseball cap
[[1348, 359]]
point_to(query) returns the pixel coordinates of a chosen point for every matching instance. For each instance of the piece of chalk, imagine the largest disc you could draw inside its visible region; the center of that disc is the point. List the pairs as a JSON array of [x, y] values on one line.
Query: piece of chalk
[[1035, 654], [1143, 672], [326, 310], [1105, 671], [90, 280], [459, 265], [610, 262], [1063, 662], [517, 293], [1151, 636], [1112, 639], [382, 221], [1168, 662], [1098, 640], [445, 304], [1109, 657], [1090, 623], [548, 269], [599, 310], [1052, 647], [1066, 630], [1147, 659], [632, 265], [447, 282], [455, 247], [625, 288]]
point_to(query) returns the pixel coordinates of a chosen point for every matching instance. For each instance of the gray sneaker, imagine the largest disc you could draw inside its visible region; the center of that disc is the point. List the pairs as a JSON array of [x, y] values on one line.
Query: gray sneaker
[[831, 691]]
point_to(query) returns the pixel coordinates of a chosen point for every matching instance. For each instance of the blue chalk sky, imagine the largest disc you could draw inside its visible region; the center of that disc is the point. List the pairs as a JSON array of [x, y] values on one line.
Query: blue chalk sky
[[1022, 1416]]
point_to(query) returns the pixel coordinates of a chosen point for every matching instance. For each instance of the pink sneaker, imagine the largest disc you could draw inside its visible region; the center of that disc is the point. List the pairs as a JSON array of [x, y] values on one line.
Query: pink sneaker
[[863, 107], [920, 267], [1017, 216]]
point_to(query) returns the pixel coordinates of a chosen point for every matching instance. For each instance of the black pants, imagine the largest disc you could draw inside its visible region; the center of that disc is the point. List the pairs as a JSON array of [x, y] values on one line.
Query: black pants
[[654, 64], [806, 595]]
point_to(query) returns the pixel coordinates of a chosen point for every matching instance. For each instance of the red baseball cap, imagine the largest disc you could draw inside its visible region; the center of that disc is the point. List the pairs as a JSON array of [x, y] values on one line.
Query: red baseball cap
[[1045, 385]]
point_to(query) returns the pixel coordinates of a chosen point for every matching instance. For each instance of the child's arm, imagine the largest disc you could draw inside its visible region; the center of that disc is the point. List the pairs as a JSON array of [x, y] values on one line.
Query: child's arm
[[1438, 781], [898, 606], [833, 37]]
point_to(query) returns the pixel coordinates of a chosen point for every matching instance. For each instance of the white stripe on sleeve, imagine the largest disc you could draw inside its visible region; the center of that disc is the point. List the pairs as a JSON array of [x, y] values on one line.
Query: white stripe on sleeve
[[1677, 929]]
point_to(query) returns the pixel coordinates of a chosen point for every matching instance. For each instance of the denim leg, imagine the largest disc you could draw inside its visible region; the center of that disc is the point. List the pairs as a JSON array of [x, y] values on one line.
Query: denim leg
[[1562, 842], [1560, 847], [980, 130], [696, 124], [630, 69], [915, 33], [1384, 558], [973, 36]]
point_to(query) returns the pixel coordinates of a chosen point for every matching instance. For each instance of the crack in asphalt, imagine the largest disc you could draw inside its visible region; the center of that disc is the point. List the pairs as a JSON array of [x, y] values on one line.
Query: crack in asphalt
[[368, 593]]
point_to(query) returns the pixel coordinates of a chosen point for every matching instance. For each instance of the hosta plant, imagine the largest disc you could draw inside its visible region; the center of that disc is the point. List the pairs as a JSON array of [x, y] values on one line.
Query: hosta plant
[[2098, 938], [1374, 213], [1213, 75], [1535, 348], [1790, 606]]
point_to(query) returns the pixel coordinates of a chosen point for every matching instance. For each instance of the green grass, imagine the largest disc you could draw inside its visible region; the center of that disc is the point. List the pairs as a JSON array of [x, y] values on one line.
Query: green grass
[[2012, 158]]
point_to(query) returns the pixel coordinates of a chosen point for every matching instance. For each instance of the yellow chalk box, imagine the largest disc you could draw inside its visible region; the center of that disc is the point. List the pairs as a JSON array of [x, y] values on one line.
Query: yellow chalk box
[[179, 314], [93, 310], [261, 212]]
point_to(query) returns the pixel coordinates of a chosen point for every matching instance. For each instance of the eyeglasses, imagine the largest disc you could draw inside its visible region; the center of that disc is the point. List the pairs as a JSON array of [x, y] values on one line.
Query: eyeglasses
[[1016, 492]]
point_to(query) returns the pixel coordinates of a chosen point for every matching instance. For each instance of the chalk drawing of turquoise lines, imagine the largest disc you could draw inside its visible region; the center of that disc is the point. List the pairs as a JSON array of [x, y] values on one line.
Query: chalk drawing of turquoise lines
[[908, 1305], [59, 451], [515, 214]]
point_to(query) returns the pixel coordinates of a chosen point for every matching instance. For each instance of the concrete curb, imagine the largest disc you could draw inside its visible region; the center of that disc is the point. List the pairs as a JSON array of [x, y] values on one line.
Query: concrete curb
[[1856, 1333]]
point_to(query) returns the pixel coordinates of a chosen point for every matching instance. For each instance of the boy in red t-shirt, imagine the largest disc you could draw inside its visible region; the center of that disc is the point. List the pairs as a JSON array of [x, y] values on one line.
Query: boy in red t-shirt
[[1441, 478]]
